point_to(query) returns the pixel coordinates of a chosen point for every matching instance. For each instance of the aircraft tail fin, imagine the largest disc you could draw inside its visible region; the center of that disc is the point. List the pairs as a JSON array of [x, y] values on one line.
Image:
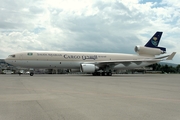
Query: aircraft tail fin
[[154, 41]]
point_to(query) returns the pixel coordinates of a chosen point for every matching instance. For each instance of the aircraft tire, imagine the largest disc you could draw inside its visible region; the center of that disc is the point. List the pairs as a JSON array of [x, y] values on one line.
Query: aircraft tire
[[109, 74], [103, 74], [96, 74], [31, 74]]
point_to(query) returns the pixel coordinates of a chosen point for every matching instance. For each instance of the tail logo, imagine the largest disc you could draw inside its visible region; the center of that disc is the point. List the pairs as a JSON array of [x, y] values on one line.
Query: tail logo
[[155, 38], [154, 41]]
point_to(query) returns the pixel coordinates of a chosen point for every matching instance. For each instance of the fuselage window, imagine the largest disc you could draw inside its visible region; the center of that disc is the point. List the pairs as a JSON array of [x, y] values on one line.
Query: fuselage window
[[13, 56], [29, 54]]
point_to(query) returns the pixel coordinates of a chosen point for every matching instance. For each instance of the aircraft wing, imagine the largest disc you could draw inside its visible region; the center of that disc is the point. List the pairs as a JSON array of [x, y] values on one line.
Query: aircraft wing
[[136, 61], [126, 62]]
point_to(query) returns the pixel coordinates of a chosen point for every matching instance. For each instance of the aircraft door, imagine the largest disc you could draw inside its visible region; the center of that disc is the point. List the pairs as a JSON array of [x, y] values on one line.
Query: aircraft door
[[21, 56]]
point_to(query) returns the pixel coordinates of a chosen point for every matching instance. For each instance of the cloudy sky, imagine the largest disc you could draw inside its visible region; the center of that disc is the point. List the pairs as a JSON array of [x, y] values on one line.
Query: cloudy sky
[[87, 25]]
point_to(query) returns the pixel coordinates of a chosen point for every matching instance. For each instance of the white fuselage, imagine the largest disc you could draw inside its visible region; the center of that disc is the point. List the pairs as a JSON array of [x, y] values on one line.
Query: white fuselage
[[71, 60]]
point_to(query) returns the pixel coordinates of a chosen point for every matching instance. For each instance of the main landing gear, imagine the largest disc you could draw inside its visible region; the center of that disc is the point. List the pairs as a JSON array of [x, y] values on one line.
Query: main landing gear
[[102, 74], [31, 72]]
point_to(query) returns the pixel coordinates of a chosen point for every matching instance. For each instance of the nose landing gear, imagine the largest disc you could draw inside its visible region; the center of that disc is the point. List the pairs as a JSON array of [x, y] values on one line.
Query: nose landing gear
[[31, 72]]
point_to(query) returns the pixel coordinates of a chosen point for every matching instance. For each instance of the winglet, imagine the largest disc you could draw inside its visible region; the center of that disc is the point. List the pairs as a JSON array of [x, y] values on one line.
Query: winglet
[[170, 57]]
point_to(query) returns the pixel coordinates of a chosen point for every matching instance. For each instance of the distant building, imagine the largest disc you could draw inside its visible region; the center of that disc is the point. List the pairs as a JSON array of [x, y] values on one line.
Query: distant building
[[3, 65], [6, 66]]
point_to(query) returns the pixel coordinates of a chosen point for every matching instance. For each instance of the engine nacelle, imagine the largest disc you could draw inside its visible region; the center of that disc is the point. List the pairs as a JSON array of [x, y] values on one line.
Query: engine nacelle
[[141, 50], [87, 68]]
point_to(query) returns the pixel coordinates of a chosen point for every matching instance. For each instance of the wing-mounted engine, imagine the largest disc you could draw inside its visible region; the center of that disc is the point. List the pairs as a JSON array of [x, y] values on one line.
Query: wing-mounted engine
[[88, 68], [148, 51]]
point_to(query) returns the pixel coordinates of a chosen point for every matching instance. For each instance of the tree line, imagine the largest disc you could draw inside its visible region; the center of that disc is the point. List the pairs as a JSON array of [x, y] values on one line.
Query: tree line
[[165, 68]]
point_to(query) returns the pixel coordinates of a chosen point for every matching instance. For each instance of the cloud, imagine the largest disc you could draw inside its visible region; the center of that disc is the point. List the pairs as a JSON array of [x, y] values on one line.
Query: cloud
[[104, 25]]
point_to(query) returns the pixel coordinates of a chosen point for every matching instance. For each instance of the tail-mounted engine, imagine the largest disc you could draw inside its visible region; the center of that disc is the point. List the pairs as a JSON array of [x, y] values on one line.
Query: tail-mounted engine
[[141, 50]]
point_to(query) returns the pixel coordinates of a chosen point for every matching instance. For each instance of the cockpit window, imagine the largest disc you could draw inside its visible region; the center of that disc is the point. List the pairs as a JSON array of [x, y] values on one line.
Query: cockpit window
[[29, 54], [12, 56]]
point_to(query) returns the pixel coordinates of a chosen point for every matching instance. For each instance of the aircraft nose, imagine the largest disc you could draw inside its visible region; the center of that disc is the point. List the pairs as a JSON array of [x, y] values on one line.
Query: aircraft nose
[[9, 58]]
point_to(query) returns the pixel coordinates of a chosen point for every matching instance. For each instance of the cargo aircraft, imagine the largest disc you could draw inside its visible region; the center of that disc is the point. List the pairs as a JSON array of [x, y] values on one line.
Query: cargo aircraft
[[92, 62]]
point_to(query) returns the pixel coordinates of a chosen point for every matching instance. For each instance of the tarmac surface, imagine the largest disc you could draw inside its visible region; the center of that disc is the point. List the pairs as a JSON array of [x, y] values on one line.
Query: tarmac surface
[[85, 97]]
